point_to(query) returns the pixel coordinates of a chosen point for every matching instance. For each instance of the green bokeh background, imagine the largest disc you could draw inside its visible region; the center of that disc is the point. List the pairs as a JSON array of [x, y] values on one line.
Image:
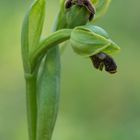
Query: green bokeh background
[[94, 105]]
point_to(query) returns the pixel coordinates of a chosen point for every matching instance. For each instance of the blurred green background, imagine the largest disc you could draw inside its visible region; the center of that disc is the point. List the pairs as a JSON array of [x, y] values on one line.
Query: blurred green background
[[94, 105]]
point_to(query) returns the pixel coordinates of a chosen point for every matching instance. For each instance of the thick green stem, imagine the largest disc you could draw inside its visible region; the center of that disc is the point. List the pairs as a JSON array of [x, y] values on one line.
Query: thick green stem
[[31, 105], [51, 41]]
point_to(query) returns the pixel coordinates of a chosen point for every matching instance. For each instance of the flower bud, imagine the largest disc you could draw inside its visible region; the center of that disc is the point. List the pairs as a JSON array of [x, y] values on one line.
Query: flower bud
[[78, 12], [77, 16], [89, 40]]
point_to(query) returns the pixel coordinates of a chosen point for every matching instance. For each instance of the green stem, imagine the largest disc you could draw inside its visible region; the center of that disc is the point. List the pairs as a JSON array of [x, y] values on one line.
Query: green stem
[[31, 105], [51, 41]]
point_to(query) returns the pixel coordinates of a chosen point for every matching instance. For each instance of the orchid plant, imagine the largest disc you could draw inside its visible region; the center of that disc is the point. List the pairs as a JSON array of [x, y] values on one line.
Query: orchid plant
[[41, 56]]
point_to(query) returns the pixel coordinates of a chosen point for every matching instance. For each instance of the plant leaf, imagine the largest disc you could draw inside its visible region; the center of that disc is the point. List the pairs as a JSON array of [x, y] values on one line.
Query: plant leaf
[[48, 87], [31, 29]]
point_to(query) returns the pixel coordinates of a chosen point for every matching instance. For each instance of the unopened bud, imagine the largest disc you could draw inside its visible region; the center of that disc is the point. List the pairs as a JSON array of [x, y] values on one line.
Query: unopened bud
[[85, 4]]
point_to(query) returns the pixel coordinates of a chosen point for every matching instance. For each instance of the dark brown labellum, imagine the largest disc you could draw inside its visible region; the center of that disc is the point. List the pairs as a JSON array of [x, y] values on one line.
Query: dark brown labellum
[[102, 60], [110, 65]]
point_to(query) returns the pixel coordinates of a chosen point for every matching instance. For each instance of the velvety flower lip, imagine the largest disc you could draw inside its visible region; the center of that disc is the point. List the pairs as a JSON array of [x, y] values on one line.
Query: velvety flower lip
[[86, 3], [102, 60]]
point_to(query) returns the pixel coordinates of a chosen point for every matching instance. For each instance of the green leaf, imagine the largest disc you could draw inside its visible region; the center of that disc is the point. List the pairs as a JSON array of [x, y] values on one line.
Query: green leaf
[[48, 94], [36, 20], [89, 40], [31, 30], [30, 37]]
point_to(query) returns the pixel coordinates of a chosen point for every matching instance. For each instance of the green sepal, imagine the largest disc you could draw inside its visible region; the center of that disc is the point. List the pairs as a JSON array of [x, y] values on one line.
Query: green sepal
[[89, 40]]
